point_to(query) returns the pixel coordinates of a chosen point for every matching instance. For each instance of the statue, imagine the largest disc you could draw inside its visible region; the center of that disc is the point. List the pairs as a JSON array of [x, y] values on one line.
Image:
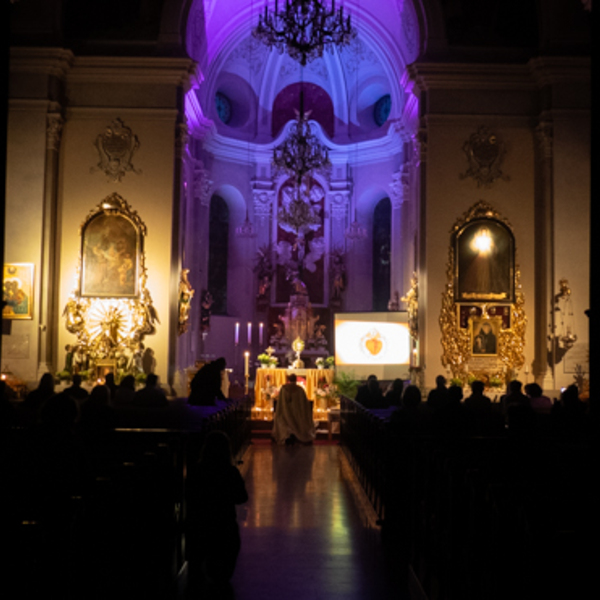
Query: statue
[[338, 272]]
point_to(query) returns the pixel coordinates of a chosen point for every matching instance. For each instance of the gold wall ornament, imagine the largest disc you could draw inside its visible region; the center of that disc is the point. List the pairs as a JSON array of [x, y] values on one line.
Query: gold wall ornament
[[485, 153], [412, 300], [186, 293], [462, 351], [110, 310], [116, 147]]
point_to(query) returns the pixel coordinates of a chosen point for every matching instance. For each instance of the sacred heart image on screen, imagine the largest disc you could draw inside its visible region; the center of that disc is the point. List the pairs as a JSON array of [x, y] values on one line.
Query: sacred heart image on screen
[[372, 342]]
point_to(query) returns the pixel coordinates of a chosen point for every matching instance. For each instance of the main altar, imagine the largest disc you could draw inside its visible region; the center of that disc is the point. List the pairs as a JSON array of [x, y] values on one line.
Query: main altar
[[317, 383]]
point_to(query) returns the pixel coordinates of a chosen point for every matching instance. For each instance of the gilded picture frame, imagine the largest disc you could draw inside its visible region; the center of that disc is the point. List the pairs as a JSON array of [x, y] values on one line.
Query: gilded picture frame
[[18, 291], [111, 248]]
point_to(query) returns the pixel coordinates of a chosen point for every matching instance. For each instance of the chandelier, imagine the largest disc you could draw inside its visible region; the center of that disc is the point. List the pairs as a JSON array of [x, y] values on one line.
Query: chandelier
[[304, 29], [301, 152], [298, 216]]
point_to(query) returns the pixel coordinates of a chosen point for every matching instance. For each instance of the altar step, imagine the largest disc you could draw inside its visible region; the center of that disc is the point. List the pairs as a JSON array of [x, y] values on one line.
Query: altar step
[[261, 430]]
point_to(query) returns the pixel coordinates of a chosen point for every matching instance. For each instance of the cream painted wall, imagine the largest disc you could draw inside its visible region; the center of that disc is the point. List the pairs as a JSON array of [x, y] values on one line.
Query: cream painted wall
[[448, 197], [572, 132], [26, 148], [149, 193]]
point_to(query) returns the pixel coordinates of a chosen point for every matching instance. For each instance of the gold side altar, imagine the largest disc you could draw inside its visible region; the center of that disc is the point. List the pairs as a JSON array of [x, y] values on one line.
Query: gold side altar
[[266, 378]]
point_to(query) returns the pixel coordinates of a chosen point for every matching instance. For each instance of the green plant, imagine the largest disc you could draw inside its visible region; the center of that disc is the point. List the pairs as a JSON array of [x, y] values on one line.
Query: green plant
[[456, 381], [330, 361], [263, 359], [495, 382], [346, 382], [63, 376]]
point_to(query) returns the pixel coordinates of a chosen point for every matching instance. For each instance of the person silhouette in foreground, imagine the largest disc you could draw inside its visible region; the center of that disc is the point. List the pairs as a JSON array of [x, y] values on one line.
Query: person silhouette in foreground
[[370, 394], [293, 418], [438, 396], [393, 396], [213, 542], [205, 387], [75, 390], [151, 395]]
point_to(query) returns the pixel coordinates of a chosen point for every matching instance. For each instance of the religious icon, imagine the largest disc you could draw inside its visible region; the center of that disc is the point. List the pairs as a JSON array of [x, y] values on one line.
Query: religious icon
[[17, 291], [484, 335], [484, 262], [109, 257]]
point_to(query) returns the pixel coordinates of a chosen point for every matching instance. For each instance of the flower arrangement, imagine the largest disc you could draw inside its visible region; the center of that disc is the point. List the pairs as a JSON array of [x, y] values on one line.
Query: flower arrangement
[[328, 394], [271, 392], [325, 362], [495, 382], [266, 360]]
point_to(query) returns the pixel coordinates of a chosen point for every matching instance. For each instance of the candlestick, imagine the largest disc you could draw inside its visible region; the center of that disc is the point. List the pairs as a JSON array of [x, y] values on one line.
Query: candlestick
[[260, 333], [237, 334], [249, 334]]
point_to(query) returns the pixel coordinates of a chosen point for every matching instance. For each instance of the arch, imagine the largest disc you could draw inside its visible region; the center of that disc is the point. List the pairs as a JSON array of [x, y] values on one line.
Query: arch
[[315, 99]]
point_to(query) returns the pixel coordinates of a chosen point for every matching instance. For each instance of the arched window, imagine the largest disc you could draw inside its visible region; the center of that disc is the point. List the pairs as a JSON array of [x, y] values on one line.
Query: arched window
[[218, 246], [382, 218]]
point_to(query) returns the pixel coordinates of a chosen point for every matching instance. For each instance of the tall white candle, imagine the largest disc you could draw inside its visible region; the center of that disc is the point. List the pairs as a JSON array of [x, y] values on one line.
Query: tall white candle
[[249, 334], [237, 334], [260, 333], [246, 363]]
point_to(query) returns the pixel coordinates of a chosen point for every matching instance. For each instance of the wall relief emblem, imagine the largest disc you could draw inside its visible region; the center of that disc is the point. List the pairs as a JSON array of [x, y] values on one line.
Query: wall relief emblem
[[116, 147], [485, 153]]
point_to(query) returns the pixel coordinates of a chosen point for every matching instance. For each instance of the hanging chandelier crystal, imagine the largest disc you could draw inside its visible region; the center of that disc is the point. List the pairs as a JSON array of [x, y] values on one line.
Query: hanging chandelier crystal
[[301, 152], [355, 231], [246, 229], [304, 29]]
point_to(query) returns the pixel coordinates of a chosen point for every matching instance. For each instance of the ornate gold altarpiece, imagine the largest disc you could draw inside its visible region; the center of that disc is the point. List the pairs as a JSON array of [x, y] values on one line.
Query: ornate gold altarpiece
[[110, 310], [466, 315]]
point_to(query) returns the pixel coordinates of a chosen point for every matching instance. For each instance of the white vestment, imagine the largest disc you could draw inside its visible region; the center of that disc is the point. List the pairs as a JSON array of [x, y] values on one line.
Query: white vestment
[[293, 415]]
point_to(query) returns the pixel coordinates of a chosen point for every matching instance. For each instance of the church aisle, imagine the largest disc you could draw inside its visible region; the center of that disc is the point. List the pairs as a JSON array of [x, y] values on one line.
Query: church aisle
[[303, 537]]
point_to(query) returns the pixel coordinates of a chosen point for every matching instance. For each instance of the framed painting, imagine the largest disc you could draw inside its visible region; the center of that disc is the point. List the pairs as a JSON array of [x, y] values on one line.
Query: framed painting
[[484, 262], [484, 335], [110, 257], [17, 291]]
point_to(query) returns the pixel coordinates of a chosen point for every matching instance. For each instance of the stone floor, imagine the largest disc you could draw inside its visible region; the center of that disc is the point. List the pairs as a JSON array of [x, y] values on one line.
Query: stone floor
[[304, 534]]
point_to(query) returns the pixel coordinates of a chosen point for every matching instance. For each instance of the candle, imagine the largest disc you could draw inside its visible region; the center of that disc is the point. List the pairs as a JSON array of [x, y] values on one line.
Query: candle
[[249, 334], [260, 333], [237, 334], [246, 363]]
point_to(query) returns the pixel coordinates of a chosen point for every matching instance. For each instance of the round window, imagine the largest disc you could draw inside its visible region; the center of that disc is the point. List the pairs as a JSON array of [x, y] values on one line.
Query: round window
[[382, 109], [223, 105]]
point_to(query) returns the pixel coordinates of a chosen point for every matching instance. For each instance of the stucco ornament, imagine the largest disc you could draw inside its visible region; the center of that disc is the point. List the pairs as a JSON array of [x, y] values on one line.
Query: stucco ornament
[[116, 147], [485, 153]]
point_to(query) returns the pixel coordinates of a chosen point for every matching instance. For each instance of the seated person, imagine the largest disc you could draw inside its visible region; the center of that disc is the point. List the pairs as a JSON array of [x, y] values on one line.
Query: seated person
[[150, 395], [370, 394], [537, 399], [75, 390], [293, 417], [206, 386]]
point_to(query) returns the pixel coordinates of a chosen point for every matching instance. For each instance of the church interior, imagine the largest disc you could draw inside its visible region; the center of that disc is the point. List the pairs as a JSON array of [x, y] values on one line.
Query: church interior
[[399, 188]]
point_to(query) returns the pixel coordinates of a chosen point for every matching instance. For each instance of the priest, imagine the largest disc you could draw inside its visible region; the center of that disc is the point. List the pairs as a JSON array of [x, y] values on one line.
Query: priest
[[293, 416]]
